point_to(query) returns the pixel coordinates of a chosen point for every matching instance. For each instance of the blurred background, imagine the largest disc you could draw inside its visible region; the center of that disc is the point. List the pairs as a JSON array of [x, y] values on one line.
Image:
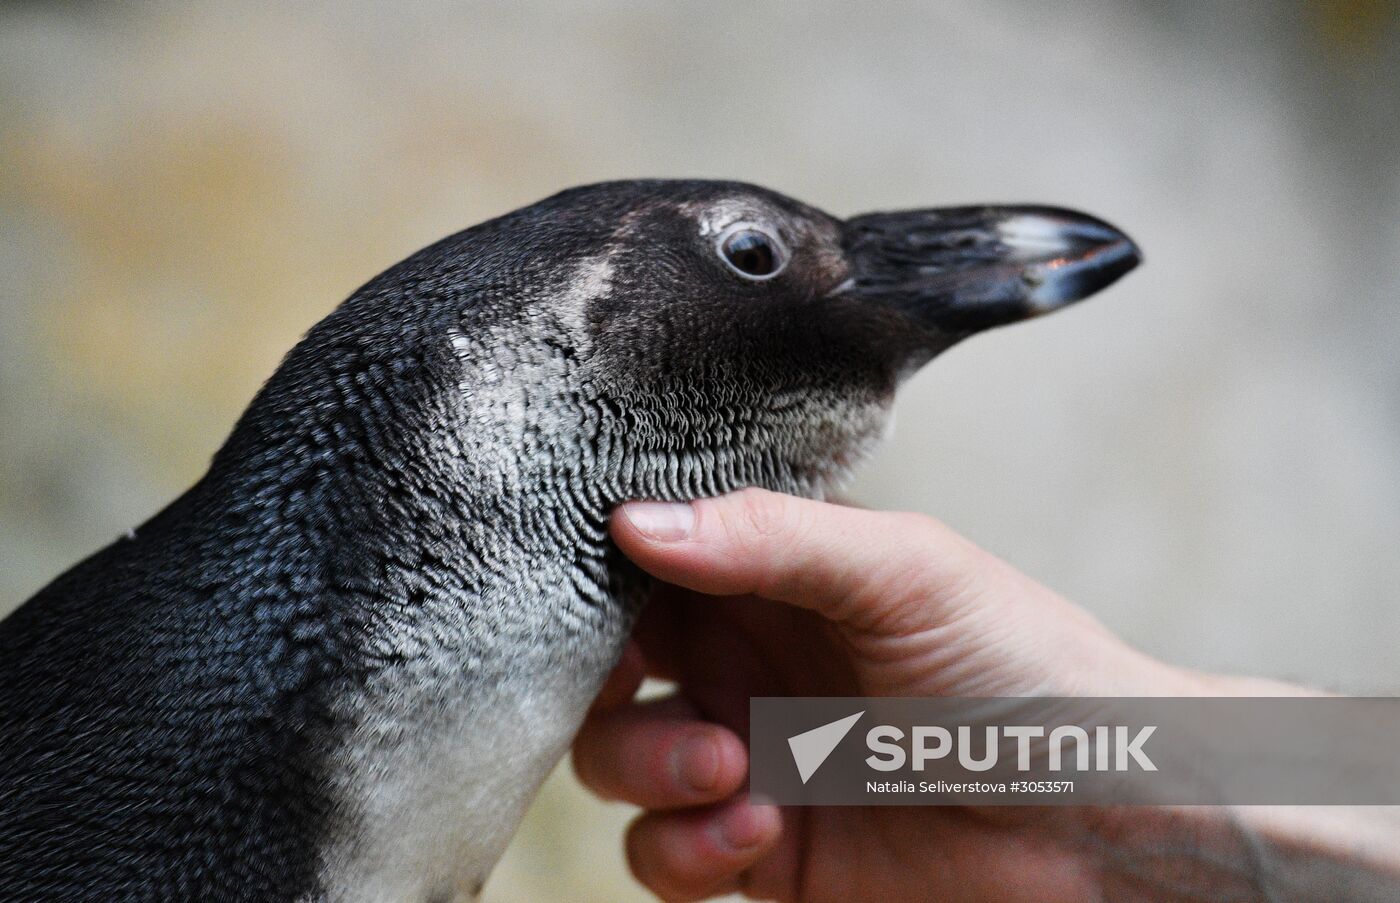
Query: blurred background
[[1207, 457]]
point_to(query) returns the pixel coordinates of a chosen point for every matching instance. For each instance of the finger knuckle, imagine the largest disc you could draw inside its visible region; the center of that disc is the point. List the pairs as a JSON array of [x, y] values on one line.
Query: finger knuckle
[[921, 527], [761, 514]]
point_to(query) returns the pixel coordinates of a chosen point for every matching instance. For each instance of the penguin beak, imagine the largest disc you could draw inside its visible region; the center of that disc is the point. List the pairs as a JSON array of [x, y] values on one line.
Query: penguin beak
[[960, 270]]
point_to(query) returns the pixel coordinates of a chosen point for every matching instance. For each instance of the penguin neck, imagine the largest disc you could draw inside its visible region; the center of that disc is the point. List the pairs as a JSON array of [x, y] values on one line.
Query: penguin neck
[[554, 446]]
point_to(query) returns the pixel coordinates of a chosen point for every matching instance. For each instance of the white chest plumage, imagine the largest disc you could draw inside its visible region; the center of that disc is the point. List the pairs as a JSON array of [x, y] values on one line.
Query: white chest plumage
[[433, 805]]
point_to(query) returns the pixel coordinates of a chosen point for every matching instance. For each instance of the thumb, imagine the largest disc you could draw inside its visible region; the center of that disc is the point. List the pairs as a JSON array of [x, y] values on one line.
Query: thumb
[[895, 572]]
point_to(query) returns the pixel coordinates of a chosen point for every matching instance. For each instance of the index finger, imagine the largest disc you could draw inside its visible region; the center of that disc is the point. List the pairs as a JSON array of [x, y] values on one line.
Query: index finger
[[848, 564]]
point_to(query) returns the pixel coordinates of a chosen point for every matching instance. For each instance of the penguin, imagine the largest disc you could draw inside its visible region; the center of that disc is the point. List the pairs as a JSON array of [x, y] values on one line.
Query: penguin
[[337, 668]]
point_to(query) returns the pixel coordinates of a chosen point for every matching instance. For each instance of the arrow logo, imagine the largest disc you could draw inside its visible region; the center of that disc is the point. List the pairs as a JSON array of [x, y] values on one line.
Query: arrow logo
[[810, 748]]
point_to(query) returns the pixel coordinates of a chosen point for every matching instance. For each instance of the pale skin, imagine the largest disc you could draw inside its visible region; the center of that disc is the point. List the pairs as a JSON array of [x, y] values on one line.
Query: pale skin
[[765, 594]]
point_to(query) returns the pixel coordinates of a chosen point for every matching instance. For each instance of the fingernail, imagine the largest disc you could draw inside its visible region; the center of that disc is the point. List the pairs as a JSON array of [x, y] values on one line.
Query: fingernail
[[696, 763], [661, 521], [746, 825]]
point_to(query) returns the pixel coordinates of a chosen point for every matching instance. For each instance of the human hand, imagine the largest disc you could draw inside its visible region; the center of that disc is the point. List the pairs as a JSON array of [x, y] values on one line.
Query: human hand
[[773, 595]]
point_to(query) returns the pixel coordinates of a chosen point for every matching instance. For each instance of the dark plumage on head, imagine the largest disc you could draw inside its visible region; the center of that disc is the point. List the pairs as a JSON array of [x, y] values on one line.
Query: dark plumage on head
[[689, 308]]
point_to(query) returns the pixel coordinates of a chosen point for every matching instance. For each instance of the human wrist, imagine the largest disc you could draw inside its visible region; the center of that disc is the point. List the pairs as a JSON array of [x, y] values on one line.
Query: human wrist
[[1304, 854]]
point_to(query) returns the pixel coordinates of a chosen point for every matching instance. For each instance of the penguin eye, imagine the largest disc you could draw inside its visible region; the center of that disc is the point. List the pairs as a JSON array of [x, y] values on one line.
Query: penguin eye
[[751, 252]]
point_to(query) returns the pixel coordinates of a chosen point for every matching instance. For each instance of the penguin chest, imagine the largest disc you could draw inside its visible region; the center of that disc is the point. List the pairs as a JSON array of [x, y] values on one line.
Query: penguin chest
[[432, 796]]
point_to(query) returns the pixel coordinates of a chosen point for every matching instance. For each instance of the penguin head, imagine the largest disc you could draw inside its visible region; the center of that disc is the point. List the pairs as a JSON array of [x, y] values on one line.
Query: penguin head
[[680, 338], [729, 322], [708, 279]]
